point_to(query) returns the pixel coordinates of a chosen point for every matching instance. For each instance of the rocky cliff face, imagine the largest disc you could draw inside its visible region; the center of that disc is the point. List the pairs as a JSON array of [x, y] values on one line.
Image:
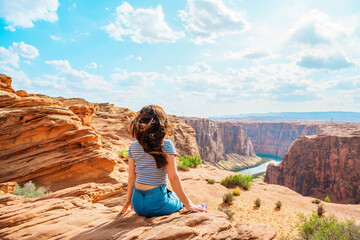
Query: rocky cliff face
[[275, 138], [183, 136], [322, 165], [42, 140], [223, 144]]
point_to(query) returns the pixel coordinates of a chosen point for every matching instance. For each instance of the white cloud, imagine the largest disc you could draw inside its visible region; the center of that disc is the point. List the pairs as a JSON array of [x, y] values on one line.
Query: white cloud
[[199, 67], [134, 79], [208, 19], [206, 54], [315, 27], [10, 56], [92, 65], [248, 53], [79, 79], [60, 64], [55, 38], [131, 56], [7, 56], [23, 13], [317, 59], [142, 25], [25, 50]]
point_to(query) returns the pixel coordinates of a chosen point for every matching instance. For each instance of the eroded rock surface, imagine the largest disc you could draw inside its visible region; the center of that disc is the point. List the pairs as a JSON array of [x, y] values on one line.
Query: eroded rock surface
[[43, 141], [73, 214], [183, 136], [322, 165], [223, 144], [7, 187]]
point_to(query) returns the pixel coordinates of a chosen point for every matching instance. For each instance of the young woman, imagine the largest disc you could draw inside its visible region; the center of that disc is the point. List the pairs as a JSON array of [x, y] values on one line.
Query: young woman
[[151, 159]]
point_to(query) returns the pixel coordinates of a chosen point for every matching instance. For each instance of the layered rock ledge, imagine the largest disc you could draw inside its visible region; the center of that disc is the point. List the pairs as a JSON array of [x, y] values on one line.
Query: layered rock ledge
[[44, 141], [80, 213]]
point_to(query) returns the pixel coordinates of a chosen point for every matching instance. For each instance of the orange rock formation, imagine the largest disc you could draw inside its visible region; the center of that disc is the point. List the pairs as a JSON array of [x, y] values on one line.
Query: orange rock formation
[[44, 141], [322, 165], [275, 138], [223, 144]]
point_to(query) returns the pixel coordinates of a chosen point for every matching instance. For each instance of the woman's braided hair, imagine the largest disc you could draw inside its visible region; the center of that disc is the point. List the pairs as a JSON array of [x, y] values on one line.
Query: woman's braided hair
[[150, 127]]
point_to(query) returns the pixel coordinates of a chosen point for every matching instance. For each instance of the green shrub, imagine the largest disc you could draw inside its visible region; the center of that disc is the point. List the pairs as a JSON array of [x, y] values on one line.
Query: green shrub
[[316, 201], [278, 205], [320, 210], [327, 199], [228, 198], [257, 202], [188, 161], [29, 190], [236, 192], [241, 180], [228, 212], [114, 122], [210, 181], [123, 152], [327, 228], [183, 167]]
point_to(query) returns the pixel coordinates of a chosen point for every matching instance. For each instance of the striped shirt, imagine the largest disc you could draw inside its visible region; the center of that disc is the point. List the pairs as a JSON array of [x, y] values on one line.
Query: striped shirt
[[145, 166]]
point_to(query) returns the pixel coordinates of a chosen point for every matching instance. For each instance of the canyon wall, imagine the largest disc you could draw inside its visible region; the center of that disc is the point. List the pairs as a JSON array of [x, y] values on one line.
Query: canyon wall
[[320, 166], [275, 138], [223, 144]]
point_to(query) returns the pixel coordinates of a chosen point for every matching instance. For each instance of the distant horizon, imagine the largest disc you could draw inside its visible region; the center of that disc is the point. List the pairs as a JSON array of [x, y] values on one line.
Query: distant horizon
[[191, 57], [336, 116], [259, 113]]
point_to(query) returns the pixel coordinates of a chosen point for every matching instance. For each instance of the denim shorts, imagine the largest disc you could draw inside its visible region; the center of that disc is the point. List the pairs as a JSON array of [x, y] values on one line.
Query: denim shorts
[[158, 201]]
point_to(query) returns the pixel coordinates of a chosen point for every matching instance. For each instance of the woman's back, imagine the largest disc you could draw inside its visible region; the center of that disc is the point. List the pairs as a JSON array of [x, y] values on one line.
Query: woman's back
[[145, 165]]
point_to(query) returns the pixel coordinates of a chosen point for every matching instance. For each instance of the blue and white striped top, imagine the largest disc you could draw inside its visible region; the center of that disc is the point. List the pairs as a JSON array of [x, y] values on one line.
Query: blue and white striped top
[[145, 165]]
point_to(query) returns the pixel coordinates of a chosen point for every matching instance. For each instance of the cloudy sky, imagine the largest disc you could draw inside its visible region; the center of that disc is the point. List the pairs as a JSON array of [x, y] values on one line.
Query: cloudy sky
[[192, 57]]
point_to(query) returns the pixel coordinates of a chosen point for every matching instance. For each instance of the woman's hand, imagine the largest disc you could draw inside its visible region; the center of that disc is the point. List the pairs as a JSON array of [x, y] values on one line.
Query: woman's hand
[[126, 206], [195, 208]]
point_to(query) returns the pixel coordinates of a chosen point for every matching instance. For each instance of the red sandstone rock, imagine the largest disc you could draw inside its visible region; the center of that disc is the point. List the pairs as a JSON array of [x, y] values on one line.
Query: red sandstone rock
[[322, 165], [84, 113], [21, 93], [183, 136], [76, 213], [248, 231], [7, 187], [5, 84], [43, 141], [275, 138], [223, 144]]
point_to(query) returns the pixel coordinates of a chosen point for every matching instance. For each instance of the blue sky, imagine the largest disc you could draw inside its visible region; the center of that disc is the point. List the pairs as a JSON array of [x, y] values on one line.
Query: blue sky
[[195, 58]]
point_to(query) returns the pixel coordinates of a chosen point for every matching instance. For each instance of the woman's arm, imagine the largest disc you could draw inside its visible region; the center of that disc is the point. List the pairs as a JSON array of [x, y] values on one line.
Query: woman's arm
[[131, 182], [176, 185]]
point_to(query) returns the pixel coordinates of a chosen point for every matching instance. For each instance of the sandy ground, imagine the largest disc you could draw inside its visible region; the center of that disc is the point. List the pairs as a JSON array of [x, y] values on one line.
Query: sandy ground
[[283, 221]]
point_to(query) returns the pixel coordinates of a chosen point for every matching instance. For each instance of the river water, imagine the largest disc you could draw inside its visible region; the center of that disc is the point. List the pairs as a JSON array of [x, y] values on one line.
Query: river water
[[262, 167]]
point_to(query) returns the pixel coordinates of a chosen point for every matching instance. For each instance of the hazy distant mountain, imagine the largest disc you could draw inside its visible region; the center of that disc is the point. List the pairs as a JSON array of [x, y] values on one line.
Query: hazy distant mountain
[[300, 116]]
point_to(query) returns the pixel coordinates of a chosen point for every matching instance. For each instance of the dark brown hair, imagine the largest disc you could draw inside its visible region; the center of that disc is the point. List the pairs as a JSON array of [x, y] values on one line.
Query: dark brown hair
[[150, 127]]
